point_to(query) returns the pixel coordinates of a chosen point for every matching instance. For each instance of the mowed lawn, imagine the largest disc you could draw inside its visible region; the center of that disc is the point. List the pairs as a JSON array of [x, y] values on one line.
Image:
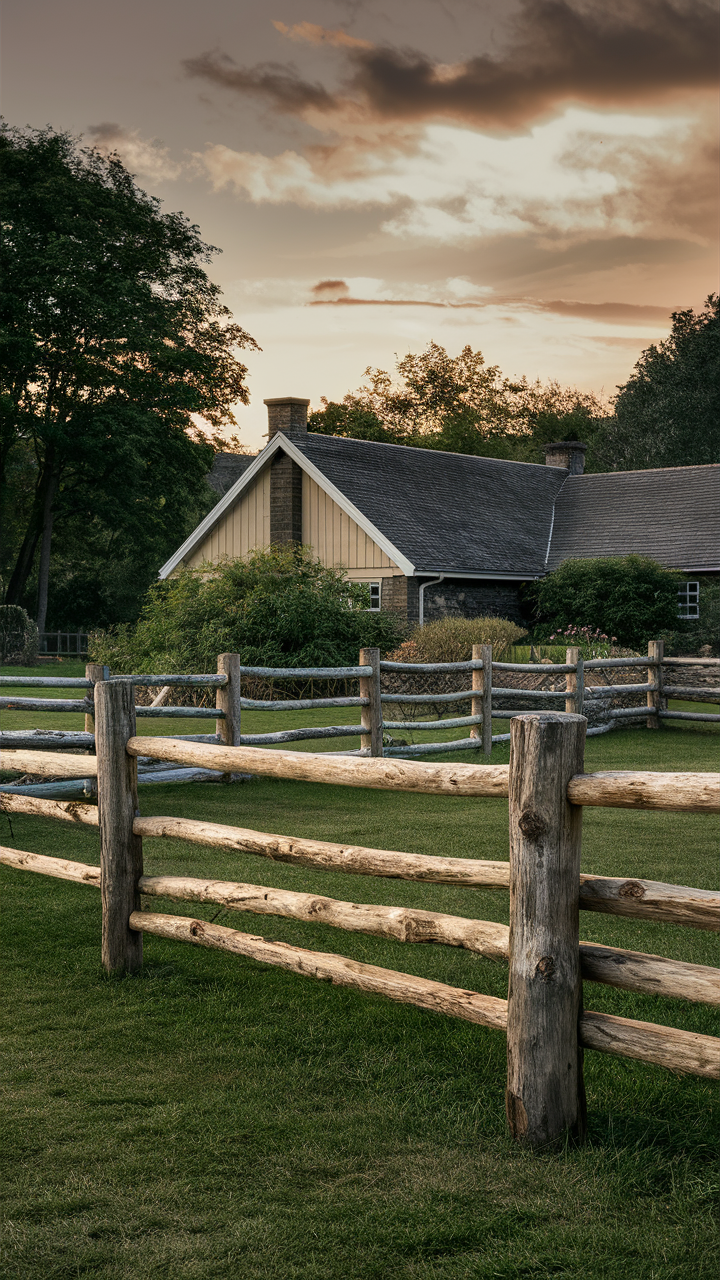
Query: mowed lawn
[[214, 1117]]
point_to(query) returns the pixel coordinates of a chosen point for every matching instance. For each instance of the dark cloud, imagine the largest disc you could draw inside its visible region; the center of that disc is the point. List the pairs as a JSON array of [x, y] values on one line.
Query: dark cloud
[[335, 293], [281, 85], [330, 290], [604, 52]]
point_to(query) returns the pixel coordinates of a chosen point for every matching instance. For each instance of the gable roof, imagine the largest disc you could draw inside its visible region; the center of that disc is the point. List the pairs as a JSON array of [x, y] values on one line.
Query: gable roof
[[446, 512], [671, 514], [434, 512]]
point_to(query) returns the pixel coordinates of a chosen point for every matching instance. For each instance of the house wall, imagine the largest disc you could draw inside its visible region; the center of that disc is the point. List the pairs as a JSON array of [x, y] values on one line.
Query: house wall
[[273, 512], [469, 598]]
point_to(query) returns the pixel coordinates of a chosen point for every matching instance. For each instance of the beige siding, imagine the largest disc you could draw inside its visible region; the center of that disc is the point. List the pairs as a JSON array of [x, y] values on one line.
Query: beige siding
[[243, 527], [334, 537]]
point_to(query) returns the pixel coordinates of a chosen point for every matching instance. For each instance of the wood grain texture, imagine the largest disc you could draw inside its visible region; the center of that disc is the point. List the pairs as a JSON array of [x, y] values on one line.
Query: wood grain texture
[[653, 975], [66, 810], [371, 717], [684, 1051], [686, 792], [228, 699], [50, 764], [120, 846], [44, 739], [326, 856], [654, 699], [75, 705], [404, 924], [651, 900], [94, 673], [58, 868], [348, 771], [437, 997], [545, 1098]]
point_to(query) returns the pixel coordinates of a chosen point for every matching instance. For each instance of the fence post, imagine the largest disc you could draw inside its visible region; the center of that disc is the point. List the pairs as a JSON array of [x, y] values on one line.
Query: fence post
[[227, 699], [121, 856], [545, 1097], [575, 682], [94, 671], [655, 673], [371, 717]]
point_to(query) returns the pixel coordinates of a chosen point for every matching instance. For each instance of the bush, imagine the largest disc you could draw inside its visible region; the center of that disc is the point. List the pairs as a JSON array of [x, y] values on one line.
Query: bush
[[276, 608], [629, 598], [18, 636], [452, 639]]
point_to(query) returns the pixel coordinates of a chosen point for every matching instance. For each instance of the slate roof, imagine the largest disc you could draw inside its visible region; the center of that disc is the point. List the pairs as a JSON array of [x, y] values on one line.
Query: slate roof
[[446, 512], [226, 469], [671, 514]]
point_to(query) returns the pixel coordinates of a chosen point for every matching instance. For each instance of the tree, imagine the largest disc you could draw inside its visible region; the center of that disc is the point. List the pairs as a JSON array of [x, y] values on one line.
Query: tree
[[668, 412], [460, 404], [631, 599], [277, 608], [112, 337]]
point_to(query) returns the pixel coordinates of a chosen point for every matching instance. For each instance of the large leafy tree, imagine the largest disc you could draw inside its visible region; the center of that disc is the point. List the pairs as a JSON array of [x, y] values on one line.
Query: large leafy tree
[[668, 412], [460, 404], [112, 337]]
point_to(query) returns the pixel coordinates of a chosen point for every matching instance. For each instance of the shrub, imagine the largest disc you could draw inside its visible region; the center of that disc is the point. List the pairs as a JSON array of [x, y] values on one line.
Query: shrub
[[631, 598], [452, 639], [276, 608], [18, 636], [699, 633]]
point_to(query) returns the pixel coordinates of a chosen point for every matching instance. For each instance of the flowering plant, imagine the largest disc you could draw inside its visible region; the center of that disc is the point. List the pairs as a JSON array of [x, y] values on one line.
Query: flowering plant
[[592, 644]]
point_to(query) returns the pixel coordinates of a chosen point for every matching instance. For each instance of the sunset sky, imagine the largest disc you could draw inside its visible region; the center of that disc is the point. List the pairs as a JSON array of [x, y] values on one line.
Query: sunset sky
[[533, 177]]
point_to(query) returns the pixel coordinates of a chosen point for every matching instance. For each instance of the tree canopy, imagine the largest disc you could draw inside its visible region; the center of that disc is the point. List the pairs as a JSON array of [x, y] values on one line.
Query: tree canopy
[[460, 404], [668, 412], [112, 340]]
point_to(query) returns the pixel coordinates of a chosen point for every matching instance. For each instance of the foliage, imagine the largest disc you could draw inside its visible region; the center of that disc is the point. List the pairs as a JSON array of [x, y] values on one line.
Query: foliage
[[699, 633], [112, 337], [452, 639], [632, 598], [592, 644], [460, 404], [18, 636], [668, 412], [279, 608]]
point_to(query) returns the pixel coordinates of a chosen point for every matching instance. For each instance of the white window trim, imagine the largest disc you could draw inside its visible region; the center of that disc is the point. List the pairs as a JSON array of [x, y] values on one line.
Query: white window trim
[[689, 600]]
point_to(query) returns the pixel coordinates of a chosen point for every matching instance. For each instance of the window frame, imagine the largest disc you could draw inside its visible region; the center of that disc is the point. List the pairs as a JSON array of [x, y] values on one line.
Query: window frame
[[689, 599]]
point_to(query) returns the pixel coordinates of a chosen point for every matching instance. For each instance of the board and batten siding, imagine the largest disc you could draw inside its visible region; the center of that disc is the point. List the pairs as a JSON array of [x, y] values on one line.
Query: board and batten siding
[[242, 528], [335, 538]]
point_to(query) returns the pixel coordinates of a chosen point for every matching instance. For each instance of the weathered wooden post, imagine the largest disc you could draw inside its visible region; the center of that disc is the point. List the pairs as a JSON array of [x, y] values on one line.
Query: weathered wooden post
[[121, 858], [482, 705], [655, 676], [371, 717], [227, 699], [545, 1098], [575, 682], [95, 672]]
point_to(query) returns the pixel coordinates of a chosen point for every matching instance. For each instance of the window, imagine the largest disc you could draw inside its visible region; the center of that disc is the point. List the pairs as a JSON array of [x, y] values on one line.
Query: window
[[689, 600], [374, 595]]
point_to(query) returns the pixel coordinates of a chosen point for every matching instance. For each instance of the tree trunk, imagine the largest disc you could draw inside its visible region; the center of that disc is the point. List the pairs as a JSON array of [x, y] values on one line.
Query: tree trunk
[[42, 507], [45, 545]]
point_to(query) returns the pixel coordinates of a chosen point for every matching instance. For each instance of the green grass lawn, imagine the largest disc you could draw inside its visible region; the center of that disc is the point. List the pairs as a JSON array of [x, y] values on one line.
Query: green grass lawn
[[214, 1117]]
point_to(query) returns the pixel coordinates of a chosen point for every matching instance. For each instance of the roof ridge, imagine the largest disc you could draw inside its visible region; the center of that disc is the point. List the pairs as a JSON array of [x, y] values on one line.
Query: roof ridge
[[442, 453]]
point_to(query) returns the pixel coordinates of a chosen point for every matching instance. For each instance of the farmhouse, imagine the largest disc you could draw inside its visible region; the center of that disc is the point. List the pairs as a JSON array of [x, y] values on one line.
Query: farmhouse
[[436, 533]]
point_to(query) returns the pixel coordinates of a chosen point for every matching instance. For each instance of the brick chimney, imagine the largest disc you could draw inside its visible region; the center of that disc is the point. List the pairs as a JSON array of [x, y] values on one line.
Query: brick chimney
[[566, 453], [289, 415]]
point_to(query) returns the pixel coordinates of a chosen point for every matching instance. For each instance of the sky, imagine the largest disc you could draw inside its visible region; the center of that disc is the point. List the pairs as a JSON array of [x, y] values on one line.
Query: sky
[[534, 178]]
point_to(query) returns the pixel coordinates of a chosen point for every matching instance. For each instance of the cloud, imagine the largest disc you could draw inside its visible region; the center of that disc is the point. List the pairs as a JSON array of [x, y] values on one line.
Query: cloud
[[596, 52], [311, 33], [584, 172], [140, 155], [330, 290]]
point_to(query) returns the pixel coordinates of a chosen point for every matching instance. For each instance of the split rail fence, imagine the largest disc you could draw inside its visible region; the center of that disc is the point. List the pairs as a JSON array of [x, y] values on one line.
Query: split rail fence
[[544, 1018], [578, 697]]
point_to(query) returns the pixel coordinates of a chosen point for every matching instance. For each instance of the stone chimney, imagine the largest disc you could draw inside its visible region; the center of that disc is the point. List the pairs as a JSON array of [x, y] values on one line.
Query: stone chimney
[[566, 453], [287, 414]]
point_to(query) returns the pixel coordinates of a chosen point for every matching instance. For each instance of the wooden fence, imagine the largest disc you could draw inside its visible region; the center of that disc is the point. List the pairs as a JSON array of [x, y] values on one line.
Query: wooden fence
[[546, 1024], [374, 729]]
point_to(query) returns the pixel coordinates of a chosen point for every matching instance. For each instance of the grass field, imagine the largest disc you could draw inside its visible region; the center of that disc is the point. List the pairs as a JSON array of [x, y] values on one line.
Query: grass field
[[217, 1118]]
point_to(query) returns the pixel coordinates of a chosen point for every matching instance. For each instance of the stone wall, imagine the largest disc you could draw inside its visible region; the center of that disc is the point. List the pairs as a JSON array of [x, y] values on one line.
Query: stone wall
[[465, 598]]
